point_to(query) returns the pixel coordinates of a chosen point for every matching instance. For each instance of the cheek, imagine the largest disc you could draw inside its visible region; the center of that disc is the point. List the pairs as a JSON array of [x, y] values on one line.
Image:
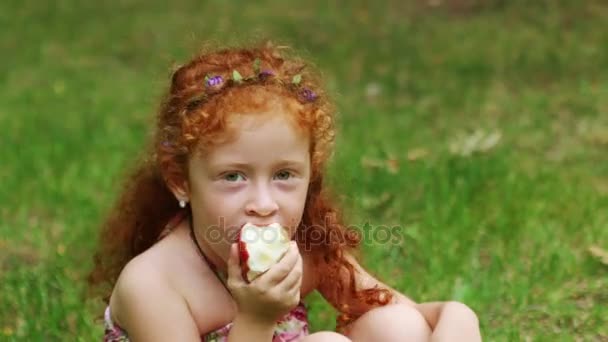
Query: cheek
[[223, 213], [221, 203], [223, 251], [295, 211]]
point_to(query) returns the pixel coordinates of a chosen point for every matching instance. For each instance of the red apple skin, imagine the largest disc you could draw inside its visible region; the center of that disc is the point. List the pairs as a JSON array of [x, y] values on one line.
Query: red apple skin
[[243, 256]]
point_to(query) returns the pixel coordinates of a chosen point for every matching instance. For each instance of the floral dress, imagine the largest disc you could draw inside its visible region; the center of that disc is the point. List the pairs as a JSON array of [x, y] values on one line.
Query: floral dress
[[292, 327]]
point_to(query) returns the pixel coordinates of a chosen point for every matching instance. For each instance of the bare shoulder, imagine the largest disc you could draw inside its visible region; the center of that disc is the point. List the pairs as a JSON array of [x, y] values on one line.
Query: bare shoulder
[[145, 305]]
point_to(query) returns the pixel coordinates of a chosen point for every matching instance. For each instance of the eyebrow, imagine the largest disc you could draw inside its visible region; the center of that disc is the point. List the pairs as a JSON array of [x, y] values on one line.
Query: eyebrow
[[281, 163]]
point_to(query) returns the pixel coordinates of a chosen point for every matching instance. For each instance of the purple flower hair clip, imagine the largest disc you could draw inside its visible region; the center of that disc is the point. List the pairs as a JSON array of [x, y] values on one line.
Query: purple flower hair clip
[[308, 95], [265, 74], [213, 81]]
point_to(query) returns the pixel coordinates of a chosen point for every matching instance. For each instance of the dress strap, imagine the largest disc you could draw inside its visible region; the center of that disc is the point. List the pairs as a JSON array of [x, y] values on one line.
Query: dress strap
[[172, 223], [202, 254]]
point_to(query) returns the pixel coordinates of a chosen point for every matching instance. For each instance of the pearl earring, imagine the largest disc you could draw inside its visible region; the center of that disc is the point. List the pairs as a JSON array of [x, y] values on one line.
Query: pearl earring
[[182, 203]]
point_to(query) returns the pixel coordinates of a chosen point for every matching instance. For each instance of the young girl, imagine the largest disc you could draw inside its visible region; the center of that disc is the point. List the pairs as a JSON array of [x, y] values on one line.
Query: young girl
[[243, 135]]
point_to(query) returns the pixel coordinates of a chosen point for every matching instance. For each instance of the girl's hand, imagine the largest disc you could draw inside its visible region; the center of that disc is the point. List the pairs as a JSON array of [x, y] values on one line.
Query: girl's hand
[[271, 295]]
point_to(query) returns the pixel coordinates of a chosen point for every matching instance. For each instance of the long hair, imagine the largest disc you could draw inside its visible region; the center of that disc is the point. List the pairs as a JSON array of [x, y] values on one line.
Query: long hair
[[193, 115]]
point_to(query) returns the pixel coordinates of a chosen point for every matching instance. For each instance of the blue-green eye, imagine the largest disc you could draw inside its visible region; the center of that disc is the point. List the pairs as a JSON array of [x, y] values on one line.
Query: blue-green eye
[[283, 175], [233, 176]]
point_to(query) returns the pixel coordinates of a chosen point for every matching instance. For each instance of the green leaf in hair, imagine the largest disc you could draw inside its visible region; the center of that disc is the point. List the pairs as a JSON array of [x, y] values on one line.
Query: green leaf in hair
[[256, 66], [297, 79], [236, 76]]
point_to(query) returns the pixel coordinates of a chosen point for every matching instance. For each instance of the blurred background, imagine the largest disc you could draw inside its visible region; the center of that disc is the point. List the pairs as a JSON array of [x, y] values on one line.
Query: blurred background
[[480, 127]]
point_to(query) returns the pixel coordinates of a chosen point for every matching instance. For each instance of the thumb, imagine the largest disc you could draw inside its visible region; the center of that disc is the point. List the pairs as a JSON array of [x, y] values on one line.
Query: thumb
[[234, 266]]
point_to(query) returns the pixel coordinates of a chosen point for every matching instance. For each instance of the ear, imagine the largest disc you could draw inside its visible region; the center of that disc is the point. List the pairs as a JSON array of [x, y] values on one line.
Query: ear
[[180, 189]]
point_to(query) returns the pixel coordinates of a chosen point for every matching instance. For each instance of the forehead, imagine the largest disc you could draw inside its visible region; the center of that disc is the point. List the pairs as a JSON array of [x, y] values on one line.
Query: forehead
[[259, 138]]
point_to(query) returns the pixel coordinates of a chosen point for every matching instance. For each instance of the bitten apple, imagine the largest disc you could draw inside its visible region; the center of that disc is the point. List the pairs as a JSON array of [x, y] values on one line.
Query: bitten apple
[[260, 248]]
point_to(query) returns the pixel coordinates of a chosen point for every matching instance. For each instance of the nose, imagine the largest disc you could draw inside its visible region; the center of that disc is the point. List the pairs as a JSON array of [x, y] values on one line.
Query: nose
[[261, 202]]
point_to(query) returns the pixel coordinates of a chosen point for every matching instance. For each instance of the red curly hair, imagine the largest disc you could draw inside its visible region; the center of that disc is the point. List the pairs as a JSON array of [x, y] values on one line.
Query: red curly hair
[[194, 115]]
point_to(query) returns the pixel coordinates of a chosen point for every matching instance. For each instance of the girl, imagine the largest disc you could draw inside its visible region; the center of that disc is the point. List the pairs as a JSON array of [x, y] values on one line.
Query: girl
[[243, 135]]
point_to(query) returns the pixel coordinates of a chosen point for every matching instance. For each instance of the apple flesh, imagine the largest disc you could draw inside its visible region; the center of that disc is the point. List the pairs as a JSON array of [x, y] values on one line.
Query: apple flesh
[[260, 248]]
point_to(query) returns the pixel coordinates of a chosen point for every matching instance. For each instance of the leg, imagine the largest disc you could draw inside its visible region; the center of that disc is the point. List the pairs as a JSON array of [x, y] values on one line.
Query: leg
[[394, 322], [458, 323], [325, 336]]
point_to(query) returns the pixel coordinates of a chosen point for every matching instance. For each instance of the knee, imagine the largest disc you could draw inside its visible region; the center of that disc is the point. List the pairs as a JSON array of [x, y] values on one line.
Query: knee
[[326, 336], [392, 322], [405, 321], [466, 314]]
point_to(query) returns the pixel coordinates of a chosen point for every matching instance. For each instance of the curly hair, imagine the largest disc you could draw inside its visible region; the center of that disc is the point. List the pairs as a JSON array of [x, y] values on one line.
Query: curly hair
[[193, 115]]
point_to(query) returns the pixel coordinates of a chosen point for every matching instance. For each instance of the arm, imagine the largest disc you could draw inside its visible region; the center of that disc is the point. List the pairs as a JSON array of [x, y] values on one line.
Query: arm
[[148, 309], [363, 281]]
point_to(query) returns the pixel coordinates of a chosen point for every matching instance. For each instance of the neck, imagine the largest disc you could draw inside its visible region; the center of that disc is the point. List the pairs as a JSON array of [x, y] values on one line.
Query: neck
[[216, 262]]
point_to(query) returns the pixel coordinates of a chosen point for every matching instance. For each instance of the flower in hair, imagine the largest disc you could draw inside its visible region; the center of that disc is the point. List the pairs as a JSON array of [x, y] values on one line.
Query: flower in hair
[[305, 94], [266, 73], [213, 81], [308, 95]]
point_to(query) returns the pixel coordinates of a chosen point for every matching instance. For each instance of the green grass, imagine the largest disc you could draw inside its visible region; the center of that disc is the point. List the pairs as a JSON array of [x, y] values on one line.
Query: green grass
[[506, 231]]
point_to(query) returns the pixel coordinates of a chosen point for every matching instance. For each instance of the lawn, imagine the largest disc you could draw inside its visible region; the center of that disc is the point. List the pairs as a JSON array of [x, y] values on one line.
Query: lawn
[[479, 128]]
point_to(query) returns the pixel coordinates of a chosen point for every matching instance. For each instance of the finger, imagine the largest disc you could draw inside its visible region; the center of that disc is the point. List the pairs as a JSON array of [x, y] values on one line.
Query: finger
[[293, 278], [296, 290], [234, 268], [295, 294], [282, 268]]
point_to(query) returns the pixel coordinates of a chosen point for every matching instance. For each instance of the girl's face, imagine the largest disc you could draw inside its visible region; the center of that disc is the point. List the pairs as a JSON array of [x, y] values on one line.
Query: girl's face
[[261, 176]]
